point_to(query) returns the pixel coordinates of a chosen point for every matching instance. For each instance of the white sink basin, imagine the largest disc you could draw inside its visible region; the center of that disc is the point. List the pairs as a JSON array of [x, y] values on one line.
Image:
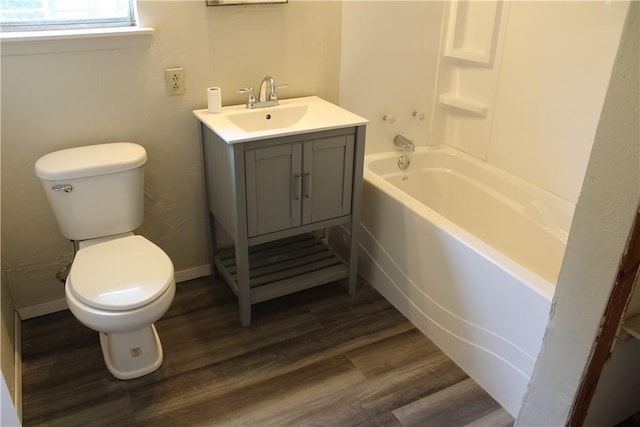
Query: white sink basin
[[257, 120], [293, 116]]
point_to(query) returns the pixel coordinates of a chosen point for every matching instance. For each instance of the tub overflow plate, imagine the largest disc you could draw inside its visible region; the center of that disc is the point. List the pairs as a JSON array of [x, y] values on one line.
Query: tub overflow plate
[[403, 162]]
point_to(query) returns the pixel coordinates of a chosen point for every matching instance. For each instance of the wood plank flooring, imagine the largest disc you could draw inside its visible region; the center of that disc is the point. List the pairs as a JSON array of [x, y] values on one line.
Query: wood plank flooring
[[315, 358]]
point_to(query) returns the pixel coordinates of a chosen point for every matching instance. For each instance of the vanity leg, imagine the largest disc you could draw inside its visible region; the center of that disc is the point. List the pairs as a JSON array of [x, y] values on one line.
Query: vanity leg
[[244, 291], [356, 198], [212, 236], [353, 257]]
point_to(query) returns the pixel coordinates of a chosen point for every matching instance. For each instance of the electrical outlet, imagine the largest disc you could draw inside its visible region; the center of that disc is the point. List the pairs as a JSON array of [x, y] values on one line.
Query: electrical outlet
[[175, 81]]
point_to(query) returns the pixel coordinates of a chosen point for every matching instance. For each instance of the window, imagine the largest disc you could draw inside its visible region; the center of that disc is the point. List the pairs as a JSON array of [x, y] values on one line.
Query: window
[[30, 15]]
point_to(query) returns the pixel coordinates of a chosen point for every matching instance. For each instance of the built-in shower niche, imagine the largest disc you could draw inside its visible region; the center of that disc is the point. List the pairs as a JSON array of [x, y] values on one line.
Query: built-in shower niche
[[472, 30], [470, 106], [468, 73]]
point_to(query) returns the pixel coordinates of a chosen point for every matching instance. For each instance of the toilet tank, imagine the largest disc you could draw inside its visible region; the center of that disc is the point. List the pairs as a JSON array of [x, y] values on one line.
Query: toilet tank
[[95, 190]]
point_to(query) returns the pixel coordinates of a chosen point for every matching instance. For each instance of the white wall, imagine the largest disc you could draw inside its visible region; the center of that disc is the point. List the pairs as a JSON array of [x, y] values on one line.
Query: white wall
[[389, 64], [544, 91], [603, 219], [555, 70], [297, 43], [53, 100], [544, 88]]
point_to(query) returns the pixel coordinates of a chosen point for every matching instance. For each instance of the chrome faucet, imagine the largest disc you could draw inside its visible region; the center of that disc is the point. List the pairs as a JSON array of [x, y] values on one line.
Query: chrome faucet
[[268, 96], [271, 83], [404, 143]]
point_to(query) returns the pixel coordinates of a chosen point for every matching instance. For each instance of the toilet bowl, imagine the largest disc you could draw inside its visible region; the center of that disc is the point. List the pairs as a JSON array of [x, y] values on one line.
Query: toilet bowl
[[120, 287], [119, 283]]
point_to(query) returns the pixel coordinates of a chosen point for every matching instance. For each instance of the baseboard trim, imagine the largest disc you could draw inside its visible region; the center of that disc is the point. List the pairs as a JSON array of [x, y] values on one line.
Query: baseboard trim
[[192, 273], [60, 304], [45, 308]]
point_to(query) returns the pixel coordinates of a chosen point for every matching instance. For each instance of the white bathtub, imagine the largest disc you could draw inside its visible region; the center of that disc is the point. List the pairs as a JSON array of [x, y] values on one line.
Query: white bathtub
[[470, 255]]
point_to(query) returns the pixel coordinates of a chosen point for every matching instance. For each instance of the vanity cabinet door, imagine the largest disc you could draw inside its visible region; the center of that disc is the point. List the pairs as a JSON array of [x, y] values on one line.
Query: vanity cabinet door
[[298, 183], [274, 186], [327, 178]]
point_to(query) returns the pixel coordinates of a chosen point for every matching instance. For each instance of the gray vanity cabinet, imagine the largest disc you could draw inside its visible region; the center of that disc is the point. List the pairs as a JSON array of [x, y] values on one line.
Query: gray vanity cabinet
[[305, 182], [271, 197]]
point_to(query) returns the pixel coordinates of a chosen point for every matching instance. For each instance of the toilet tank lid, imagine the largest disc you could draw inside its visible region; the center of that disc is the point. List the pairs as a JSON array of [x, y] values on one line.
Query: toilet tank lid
[[90, 160]]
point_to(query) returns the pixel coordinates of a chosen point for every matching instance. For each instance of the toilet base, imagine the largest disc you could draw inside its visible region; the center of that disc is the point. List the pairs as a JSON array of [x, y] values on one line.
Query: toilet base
[[132, 354]]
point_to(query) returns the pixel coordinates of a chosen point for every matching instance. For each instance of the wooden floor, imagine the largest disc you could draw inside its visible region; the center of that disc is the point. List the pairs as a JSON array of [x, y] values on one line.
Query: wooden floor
[[315, 358]]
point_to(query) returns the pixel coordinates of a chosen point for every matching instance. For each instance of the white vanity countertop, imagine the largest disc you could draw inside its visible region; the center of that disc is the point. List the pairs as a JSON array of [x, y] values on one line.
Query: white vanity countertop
[[297, 115]]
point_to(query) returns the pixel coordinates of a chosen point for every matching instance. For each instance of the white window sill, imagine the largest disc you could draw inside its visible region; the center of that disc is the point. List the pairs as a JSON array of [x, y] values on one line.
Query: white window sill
[[37, 42]]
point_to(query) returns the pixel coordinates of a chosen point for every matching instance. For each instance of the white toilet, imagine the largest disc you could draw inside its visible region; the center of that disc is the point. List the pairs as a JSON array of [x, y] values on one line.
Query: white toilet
[[119, 283]]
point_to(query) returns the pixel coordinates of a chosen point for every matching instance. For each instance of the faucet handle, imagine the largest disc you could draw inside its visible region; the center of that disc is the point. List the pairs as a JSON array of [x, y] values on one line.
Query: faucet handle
[[274, 95], [252, 97], [246, 89]]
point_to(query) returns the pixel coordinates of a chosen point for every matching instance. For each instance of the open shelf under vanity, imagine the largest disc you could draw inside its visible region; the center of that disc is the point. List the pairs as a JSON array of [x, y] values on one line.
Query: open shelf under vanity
[[284, 266]]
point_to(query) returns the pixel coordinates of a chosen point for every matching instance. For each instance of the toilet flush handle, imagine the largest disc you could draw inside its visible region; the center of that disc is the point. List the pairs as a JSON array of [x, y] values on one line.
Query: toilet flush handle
[[62, 187]]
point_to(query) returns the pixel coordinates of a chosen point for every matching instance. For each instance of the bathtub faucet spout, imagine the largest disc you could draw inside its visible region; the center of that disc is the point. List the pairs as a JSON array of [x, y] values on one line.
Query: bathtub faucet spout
[[404, 143]]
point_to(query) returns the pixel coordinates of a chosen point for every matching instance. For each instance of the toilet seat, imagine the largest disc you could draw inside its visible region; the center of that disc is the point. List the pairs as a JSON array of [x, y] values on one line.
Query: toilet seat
[[120, 274]]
